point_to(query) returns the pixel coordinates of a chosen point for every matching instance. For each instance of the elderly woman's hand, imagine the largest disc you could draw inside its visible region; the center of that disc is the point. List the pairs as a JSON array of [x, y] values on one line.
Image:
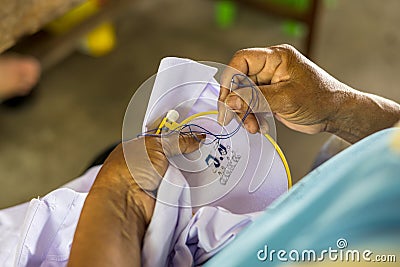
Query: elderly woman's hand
[[303, 96], [117, 209], [140, 164], [300, 94]]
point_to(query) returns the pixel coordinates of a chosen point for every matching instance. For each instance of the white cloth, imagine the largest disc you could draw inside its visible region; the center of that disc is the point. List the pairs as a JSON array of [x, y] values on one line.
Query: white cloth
[[40, 232], [177, 238]]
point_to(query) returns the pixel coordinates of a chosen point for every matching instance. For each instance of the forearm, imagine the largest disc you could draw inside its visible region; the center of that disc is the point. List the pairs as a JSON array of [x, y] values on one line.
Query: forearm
[[117, 211], [111, 227], [361, 114]]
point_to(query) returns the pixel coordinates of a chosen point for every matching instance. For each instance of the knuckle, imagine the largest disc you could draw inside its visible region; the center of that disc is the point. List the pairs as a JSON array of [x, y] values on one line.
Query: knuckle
[[248, 51], [285, 50], [240, 52], [286, 47], [244, 52]]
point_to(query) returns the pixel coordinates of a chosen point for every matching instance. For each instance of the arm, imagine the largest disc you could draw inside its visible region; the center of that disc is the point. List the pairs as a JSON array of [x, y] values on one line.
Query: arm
[[363, 114], [112, 224], [117, 211], [304, 97]]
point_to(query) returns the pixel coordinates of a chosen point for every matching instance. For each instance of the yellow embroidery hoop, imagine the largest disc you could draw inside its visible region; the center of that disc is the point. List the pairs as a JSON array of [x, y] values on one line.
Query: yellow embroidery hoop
[[174, 125]]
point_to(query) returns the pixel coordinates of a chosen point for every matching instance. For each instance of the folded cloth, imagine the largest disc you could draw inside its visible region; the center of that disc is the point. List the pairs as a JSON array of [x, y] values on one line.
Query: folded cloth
[[40, 232], [177, 238], [354, 196]]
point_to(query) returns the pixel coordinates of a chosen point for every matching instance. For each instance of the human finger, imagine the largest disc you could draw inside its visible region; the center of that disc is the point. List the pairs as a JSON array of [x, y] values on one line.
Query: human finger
[[247, 99], [260, 64], [177, 144]]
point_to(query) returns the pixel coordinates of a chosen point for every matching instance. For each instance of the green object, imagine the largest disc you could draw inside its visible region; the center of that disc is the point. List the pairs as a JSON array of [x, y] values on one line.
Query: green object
[[298, 5], [294, 28], [225, 13]]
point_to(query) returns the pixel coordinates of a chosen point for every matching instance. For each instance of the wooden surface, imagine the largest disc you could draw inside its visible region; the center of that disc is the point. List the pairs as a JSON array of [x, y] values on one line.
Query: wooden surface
[[24, 17]]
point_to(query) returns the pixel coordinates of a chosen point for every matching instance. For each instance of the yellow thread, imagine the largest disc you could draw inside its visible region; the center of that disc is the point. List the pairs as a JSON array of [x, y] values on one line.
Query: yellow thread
[[200, 114], [269, 138], [161, 125], [278, 149]]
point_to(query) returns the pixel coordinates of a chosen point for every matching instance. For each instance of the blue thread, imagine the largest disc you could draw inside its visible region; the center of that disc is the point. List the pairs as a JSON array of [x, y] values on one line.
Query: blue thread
[[217, 137]]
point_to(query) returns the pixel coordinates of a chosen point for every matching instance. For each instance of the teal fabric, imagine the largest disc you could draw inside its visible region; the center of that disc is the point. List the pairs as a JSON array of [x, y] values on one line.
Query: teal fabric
[[355, 196]]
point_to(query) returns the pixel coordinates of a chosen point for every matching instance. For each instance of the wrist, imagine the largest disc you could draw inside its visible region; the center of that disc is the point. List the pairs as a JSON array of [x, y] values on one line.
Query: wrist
[[360, 114], [110, 227], [343, 104], [125, 195]]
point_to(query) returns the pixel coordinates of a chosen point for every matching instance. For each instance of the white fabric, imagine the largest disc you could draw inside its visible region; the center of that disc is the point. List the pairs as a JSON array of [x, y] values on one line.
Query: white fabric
[[189, 72], [175, 237], [249, 184], [40, 233]]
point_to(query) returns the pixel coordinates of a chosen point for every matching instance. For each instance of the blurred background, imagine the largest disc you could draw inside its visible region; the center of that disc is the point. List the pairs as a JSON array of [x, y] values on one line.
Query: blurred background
[[92, 68]]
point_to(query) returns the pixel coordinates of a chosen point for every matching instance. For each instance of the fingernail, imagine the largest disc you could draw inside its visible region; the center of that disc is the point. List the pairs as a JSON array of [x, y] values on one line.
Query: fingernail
[[234, 103], [250, 128], [238, 103]]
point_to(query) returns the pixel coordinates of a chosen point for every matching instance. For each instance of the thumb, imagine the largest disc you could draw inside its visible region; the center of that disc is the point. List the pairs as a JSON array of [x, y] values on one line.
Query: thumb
[[182, 143], [190, 143]]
